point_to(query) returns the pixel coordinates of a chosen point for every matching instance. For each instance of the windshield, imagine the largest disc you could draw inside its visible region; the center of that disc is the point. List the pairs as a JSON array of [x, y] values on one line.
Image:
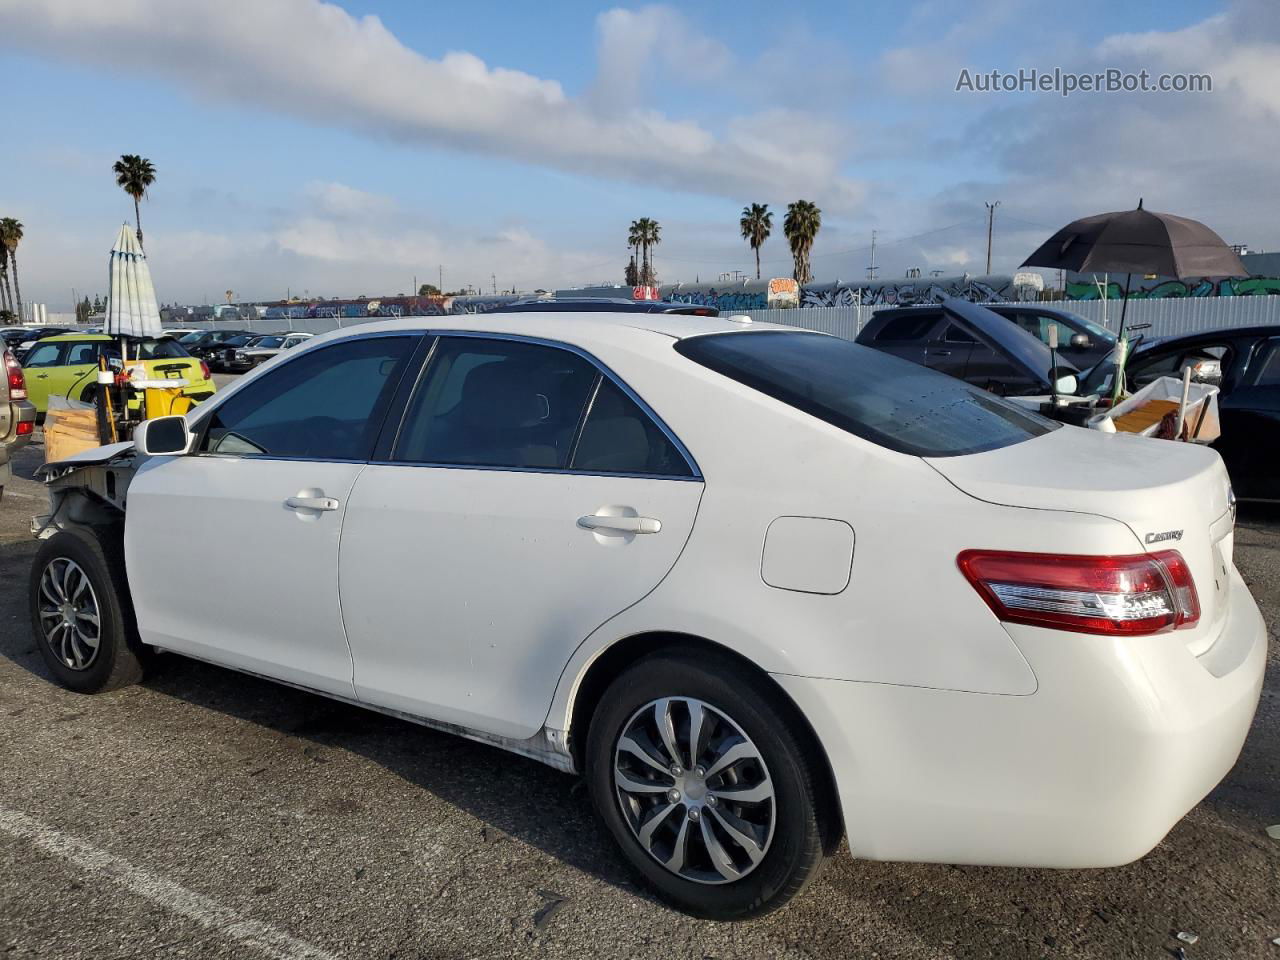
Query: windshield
[[890, 402], [1100, 378], [192, 337], [267, 343]]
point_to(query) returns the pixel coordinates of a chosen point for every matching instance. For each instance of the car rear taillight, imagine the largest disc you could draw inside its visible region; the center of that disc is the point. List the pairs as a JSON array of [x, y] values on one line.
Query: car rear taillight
[[17, 382], [204, 370], [1129, 595], [25, 428]]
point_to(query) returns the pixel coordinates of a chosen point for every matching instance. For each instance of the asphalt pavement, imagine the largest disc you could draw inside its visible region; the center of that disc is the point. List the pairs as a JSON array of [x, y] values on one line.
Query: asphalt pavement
[[206, 814]]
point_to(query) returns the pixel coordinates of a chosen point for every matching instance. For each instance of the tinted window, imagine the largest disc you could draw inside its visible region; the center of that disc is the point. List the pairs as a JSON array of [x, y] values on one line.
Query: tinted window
[[43, 355], [81, 353], [327, 404], [957, 334], [149, 349], [891, 402], [496, 403], [619, 437], [196, 337], [908, 326], [267, 343], [1265, 369]]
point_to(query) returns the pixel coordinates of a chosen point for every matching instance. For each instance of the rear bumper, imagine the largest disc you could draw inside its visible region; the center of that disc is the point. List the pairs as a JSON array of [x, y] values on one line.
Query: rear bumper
[[22, 411], [1120, 740]]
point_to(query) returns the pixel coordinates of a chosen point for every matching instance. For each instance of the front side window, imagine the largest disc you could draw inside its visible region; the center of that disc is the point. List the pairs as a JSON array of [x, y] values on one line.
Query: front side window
[[1265, 369], [497, 403], [326, 405], [43, 355], [888, 401]]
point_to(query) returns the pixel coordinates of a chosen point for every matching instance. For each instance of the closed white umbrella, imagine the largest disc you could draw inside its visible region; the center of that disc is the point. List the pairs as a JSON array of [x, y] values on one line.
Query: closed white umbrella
[[131, 304]]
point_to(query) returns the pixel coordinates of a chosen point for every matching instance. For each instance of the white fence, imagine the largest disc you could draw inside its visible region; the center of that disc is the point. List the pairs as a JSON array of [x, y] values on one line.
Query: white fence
[[1168, 317]]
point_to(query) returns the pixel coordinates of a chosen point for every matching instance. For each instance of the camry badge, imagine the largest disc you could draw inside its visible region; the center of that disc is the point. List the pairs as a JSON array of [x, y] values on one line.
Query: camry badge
[[1162, 537]]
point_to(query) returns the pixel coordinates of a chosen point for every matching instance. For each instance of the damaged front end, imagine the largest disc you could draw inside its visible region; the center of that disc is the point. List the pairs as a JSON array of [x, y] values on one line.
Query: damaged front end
[[88, 489]]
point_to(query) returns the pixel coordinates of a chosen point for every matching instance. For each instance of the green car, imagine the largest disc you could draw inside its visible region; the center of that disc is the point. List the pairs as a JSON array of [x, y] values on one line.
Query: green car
[[67, 366]]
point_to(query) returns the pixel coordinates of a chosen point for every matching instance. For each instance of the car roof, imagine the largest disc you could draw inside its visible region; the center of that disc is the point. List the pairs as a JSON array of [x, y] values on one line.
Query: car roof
[[1210, 336], [577, 327]]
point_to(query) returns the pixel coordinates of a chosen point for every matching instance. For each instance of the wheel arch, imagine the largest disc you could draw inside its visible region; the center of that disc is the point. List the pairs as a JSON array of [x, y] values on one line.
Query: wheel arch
[[623, 653]]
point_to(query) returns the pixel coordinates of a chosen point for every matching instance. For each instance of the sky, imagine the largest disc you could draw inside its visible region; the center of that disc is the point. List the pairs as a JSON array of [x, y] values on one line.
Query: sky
[[322, 149]]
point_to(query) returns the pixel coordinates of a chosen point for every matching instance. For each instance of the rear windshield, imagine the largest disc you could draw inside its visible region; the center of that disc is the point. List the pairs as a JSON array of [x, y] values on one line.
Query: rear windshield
[[164, 349], [891, 402]]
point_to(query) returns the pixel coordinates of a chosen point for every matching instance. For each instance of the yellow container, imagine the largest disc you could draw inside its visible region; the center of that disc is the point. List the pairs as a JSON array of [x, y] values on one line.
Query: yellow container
[[166, 402]]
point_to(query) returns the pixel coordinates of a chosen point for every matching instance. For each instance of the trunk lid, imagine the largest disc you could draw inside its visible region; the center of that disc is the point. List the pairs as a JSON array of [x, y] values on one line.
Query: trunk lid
[[1172, 496]]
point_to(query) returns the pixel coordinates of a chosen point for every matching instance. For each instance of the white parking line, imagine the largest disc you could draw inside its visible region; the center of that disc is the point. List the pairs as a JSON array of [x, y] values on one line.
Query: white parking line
[[165, 893]]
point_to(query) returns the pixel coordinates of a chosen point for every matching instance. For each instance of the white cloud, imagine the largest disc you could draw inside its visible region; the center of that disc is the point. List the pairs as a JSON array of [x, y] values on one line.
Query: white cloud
[[354, 73], [340, 200]]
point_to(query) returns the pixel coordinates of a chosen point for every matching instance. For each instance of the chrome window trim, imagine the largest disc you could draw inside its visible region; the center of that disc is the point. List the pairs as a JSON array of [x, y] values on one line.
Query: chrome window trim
[[601, 368], [208, 409]]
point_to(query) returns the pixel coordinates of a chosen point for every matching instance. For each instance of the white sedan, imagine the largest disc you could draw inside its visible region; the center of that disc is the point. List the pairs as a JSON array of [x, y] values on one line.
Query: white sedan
[[761, 587]]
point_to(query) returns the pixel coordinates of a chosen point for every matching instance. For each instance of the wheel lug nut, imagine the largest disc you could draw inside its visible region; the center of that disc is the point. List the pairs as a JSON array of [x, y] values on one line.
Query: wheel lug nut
[[699, 772], [711, 800], [673, 795], [694, 814], [676, 771]]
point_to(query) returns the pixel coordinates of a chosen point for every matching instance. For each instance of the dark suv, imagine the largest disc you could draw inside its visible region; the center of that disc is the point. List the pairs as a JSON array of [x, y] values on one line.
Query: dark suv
[[969, 342]]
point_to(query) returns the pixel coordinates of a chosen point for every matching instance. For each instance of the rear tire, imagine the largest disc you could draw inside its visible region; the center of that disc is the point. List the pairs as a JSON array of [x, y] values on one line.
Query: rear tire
[[81, 617], [734, 858]]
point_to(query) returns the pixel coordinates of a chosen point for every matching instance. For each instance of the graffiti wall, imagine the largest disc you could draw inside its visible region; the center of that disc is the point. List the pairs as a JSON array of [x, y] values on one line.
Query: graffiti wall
[[905, 292], [775, 293], [1163, 288]]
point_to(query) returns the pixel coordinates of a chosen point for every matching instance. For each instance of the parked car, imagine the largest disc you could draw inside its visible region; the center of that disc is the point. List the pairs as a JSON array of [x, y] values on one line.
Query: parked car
[[908, 611], [201, 344], [216, 354], [1245, 365], [972, 343], [260, 350], [17, 415], [606, 305], [67, 366], [34, 336]]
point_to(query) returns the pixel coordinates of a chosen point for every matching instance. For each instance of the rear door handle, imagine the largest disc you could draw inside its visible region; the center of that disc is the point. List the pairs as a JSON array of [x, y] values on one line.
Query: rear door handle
[[312, 503], [621, 524], [939, 353]]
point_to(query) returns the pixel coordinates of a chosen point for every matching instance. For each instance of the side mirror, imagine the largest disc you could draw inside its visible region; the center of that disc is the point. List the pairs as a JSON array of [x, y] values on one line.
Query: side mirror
[[1080, 341], [163, 436], [1066, 384]]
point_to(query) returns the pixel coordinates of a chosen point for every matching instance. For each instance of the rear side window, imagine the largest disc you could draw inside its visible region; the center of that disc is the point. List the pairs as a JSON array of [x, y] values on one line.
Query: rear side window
[[1265, 370], [619, 437], [327, 404], [85, 351], [909, 326], [496, 403], [890, 402]]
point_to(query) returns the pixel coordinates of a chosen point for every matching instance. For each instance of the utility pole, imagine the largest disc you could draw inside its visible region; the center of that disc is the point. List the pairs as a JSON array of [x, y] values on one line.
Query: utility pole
[[871, 270], [442, 278], [991, 219], [493, 277]]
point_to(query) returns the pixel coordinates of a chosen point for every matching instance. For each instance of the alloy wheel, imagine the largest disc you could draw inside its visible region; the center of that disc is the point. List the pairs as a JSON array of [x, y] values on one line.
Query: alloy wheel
[[695, 790], [70, 618]]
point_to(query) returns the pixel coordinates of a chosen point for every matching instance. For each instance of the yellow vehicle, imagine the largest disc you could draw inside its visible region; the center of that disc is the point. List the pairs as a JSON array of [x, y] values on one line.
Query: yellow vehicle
[[67, 366]]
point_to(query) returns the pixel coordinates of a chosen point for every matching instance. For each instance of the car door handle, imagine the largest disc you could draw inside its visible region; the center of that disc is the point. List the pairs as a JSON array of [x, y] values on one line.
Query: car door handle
[[312, 503], [621, 524], [42, 376], [939, 353]]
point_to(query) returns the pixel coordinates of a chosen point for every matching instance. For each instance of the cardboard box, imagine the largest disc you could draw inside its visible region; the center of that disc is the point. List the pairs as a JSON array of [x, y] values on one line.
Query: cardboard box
[[68, 431]]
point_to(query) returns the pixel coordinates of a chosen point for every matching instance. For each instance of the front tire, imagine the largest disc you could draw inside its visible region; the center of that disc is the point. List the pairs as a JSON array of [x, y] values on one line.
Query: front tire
[[81, 617], [706, 786]]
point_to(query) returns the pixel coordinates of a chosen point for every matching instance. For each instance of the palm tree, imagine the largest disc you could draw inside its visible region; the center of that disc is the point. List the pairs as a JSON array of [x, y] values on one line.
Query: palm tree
[[134, 174], [757, 224], [10, 237], [6, 292], [646, 234], [802, 223]]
